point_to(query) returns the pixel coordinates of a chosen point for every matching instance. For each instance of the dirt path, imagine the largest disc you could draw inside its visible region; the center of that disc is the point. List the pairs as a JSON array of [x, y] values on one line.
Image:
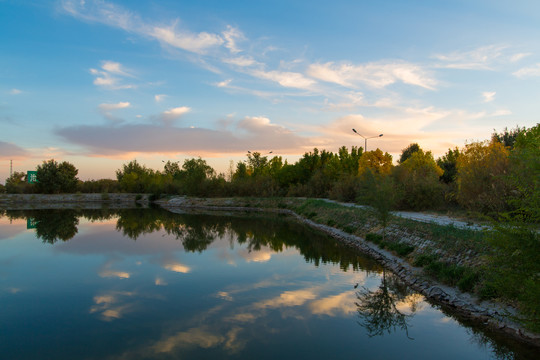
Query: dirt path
[[427, 218]]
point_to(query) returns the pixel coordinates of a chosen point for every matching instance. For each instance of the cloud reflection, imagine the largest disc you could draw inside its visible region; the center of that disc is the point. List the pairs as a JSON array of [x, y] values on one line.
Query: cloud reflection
[[177, 267], [289, 298], [114, 273], [333, 305], [110, 305], [160, 282], [200, 337]]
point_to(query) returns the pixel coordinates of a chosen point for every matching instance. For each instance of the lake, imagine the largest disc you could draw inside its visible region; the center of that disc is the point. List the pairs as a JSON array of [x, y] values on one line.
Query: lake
[[152, 284]]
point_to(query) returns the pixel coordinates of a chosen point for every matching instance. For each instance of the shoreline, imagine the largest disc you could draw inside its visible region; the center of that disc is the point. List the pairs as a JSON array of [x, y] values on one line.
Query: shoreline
[[492, 315]]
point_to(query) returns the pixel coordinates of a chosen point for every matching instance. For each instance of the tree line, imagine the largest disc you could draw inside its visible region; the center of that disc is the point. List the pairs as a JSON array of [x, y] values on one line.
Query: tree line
[[492, 176]]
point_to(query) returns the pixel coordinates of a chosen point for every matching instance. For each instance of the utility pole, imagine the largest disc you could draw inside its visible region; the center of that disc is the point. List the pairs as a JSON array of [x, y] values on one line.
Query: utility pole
[[10, 168]]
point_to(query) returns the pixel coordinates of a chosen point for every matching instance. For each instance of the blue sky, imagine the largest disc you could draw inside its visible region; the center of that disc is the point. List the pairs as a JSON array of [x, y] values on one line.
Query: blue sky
[[99, 83]]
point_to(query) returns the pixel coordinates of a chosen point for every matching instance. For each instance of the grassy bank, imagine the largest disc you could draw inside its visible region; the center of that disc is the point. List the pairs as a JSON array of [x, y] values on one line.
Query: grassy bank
[[467, 259]]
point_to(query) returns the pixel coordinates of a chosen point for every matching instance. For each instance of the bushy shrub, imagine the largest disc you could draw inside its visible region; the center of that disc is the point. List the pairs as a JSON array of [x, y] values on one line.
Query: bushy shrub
[[418, 180], [481, 170]]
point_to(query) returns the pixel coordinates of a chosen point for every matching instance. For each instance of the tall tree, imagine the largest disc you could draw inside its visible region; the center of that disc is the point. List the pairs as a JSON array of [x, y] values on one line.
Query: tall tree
[[53, 178], [481, 170], [448, 163], [375, 160], [408, 151]]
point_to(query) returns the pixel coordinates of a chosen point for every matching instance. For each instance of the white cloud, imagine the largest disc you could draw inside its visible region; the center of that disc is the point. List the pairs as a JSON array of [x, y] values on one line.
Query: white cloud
[[377, 75], [117, 16], [197, 43], [224, 83], [519, 56], [285, 79], [15, 91], [111, 76], [488, 96], [169, 116], [528, 71], [482, 58], [242, 61], [110, 107], [502, 112], [232, 35], [113, 67], [159, 97]]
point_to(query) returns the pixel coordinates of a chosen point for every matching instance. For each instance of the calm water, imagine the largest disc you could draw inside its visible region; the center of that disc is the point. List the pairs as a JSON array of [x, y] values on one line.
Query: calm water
[[150, 284]]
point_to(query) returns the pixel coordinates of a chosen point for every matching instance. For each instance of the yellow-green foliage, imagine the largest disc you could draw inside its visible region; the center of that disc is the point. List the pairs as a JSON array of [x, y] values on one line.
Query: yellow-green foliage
[[481, 170], [376, 161], [418, 179], [524, 175], [421, 163]]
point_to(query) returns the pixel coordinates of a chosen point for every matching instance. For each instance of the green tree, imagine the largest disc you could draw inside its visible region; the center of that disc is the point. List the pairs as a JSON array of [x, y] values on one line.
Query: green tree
[[171, 168], [375, 160], [16, 183], [408, 151], [136, 178], [54, 178], [195, 175], [448, 163], [257, 164], [418, 179], [383, 197], [524, 175], [349, 161], [507, 137], [482, 167]]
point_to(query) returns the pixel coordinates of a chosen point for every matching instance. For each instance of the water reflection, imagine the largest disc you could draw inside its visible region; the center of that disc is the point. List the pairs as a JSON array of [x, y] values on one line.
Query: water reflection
[[197, 232], [379, 310], [168, 285]]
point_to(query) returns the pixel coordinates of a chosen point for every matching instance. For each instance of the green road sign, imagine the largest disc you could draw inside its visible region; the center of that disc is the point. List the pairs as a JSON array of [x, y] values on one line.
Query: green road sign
[[31, 223], [31, 176]]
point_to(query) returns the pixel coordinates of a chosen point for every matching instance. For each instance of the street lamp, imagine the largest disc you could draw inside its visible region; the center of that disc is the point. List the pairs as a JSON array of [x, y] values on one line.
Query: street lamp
[[366, 138]]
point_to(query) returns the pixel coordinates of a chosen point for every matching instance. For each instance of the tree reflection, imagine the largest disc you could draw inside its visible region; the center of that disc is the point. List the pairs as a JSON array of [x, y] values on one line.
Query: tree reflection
[[57, 224], [378, 310], [198, 231]]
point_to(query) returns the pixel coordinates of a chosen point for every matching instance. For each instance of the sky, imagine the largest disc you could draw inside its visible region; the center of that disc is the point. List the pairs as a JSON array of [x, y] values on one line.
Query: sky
[[100, 83]]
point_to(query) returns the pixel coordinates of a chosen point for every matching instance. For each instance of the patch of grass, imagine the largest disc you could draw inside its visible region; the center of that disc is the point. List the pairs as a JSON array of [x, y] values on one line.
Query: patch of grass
[[374, 238], [401, 249], [447, 237], [465, 278], [424, 259], [330, 222]]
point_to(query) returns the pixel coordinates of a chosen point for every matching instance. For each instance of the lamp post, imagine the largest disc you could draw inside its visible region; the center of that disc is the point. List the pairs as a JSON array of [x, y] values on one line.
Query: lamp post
[[366, 138]]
